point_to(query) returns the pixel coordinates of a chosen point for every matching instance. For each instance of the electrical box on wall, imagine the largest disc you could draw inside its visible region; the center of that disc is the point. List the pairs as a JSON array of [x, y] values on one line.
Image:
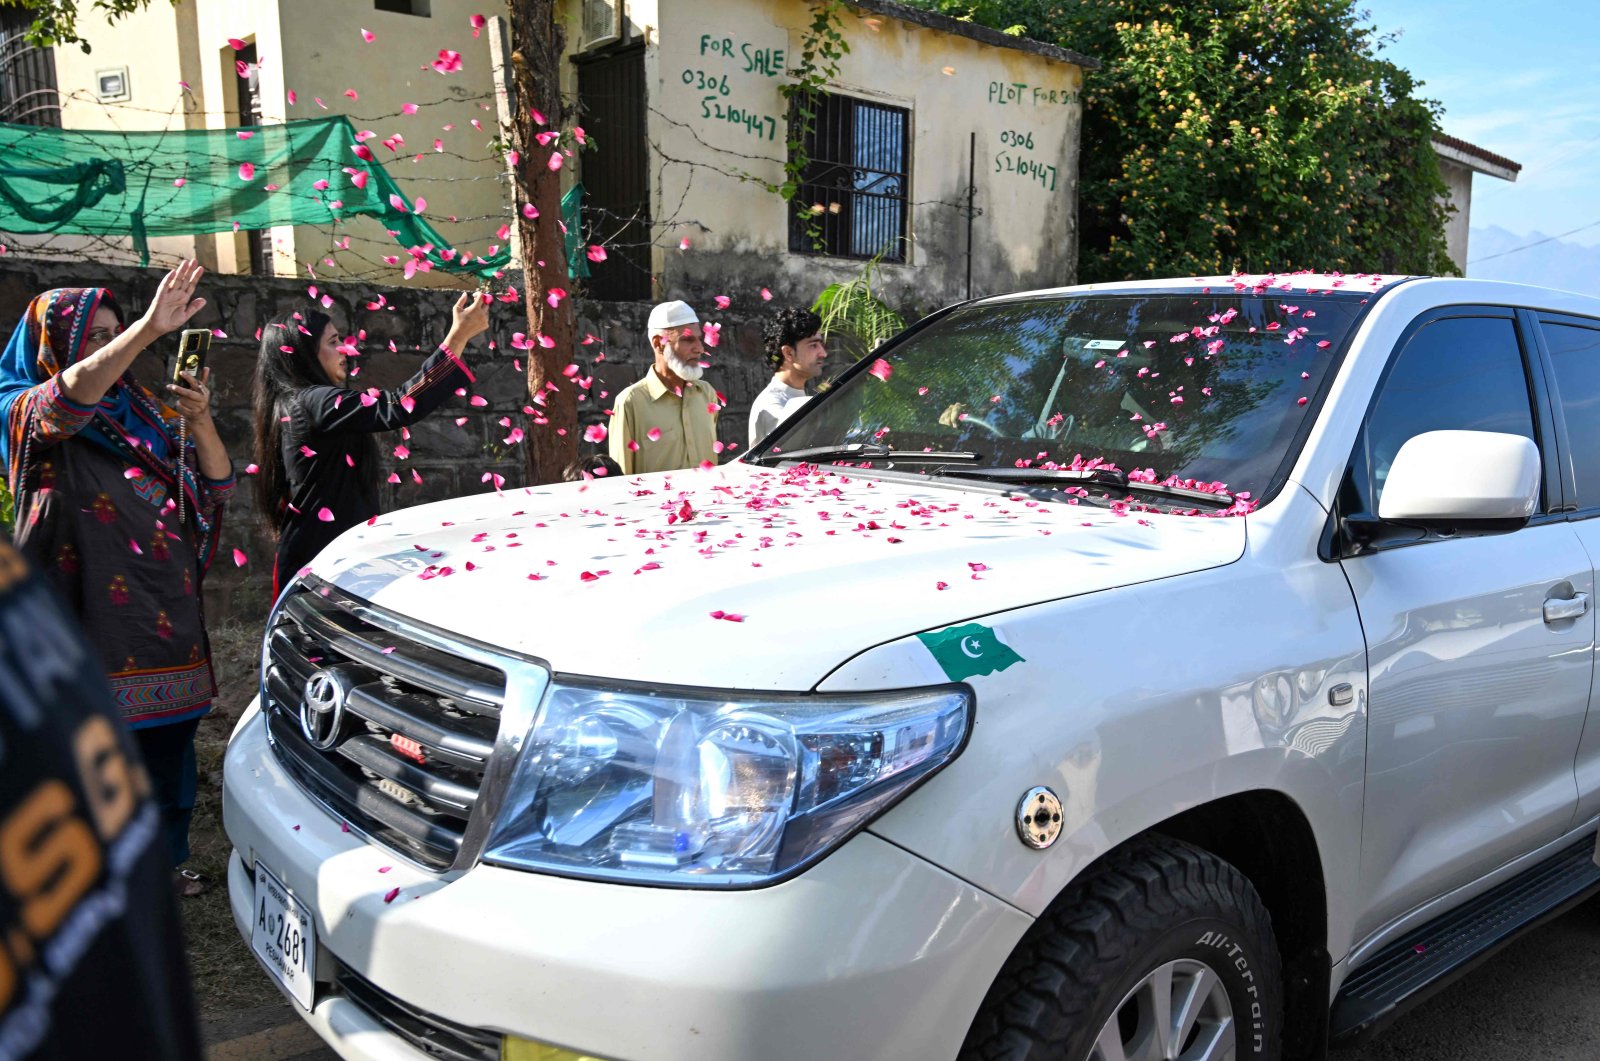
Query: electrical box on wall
[[111, 86]]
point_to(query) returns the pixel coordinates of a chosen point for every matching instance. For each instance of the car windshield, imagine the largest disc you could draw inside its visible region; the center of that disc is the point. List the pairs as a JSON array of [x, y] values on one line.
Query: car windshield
[[1177, 389]]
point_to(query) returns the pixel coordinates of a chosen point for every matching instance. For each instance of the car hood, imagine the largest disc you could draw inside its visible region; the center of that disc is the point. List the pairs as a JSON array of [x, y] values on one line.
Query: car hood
[[742, 577]]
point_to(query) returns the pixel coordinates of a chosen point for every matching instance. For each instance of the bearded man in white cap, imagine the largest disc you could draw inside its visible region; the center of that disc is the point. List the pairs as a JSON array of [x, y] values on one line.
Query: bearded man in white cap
[[668, 420]]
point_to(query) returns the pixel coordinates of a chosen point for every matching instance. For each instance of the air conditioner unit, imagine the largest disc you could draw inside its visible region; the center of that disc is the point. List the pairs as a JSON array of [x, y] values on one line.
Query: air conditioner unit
[[602, 22]]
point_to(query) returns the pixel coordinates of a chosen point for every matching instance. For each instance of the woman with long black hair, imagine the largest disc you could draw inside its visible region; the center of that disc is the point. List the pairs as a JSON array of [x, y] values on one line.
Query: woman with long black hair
[[317, 458]]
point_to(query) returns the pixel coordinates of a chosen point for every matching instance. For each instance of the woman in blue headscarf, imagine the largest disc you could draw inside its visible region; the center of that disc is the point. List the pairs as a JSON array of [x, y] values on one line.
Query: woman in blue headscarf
[[119, 498]]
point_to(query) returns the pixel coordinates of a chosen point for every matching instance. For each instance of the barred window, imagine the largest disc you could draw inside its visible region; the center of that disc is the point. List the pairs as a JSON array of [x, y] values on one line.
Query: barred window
[[28, 93], [852, 197]]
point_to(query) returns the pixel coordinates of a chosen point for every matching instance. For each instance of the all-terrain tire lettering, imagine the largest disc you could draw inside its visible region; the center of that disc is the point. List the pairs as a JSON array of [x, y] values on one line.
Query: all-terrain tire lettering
[[1153, 900]]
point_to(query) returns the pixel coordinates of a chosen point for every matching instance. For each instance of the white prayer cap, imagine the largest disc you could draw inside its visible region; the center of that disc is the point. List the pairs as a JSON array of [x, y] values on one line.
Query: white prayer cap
[[671, 315]]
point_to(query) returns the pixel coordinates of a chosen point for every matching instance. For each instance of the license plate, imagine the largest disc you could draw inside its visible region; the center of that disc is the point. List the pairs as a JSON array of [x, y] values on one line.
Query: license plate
[[284, 937]]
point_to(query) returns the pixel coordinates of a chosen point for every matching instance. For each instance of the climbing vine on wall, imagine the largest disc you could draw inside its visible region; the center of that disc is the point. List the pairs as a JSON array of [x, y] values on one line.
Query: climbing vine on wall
[[822, 45]]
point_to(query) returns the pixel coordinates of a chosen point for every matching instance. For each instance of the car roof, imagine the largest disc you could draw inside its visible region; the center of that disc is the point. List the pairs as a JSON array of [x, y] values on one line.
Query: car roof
[[1445, 290]]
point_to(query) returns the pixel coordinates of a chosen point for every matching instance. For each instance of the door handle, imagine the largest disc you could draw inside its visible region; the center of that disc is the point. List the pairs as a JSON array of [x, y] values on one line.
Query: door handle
[[1558, 609]]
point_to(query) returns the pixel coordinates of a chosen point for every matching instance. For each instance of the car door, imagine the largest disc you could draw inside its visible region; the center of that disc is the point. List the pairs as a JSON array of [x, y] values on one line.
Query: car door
[[1477, 684], [1571, 347]]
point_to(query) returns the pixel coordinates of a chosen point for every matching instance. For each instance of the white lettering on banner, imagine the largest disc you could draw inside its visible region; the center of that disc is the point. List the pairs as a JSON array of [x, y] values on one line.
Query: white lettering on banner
[[42, 647], [25, 1027]]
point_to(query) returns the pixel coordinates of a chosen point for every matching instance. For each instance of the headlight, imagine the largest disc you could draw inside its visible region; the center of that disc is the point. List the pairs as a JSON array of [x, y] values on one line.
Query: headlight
[[699, 789]]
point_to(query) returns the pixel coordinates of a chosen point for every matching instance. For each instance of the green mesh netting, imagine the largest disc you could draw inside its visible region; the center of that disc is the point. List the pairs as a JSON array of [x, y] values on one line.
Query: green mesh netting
[[188, 182], [572, 218]]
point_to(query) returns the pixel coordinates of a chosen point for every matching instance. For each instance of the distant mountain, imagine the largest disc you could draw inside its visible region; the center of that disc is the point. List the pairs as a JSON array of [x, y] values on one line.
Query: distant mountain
[[1569, 266]]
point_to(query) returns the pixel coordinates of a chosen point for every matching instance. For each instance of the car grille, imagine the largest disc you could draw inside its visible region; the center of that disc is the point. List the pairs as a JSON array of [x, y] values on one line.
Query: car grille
[[430, 1034], [404, 759]]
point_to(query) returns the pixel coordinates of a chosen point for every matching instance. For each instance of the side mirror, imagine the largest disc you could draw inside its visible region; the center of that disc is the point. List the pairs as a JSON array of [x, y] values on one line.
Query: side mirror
[[1463, 479]]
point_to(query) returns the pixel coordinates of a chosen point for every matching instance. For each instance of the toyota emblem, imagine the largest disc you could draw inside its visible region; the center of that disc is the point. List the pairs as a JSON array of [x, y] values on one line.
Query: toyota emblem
[[322, 708]]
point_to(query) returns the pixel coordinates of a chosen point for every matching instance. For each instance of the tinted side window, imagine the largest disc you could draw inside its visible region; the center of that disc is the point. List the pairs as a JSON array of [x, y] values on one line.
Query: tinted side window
[[1575, 353], [1456, 374]]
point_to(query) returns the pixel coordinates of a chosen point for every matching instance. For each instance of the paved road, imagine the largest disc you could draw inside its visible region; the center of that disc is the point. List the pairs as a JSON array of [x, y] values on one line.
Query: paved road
[[1536, 999]]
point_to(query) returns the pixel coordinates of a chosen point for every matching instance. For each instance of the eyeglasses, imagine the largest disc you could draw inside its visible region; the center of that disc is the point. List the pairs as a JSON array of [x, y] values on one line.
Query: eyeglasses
[[102, 336]]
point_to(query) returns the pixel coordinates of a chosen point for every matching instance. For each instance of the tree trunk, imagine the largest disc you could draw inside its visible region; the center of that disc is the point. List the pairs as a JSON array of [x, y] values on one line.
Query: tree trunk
[[537, 40]]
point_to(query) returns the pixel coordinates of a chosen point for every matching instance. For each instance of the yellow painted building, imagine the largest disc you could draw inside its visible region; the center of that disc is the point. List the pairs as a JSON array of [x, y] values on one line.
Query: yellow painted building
[[173, 67], [946, 150]]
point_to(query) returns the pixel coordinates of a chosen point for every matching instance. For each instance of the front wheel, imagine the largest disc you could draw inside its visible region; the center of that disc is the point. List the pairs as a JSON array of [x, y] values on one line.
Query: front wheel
[[1163, 953]]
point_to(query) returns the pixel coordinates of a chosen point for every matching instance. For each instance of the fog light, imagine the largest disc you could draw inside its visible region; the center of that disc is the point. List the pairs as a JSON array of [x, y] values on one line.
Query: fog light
[[514, 1049]]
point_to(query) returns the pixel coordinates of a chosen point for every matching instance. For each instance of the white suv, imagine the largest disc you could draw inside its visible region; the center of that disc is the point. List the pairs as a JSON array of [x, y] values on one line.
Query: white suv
[[1183, 669]]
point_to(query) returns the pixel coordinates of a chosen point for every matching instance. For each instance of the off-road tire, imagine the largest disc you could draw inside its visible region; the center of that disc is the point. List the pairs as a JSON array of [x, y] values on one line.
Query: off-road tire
[[1153, 901]]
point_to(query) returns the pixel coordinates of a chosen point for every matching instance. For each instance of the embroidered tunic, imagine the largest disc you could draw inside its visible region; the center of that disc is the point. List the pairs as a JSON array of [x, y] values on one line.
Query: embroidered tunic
[[114, 550], [96, 509]]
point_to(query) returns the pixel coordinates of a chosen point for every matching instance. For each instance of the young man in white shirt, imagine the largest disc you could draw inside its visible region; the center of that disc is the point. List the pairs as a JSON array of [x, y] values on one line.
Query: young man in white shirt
[[796, 350]]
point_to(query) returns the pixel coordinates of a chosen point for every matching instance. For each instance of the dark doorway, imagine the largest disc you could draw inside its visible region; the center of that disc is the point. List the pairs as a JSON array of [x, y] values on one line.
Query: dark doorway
[[616, 172]]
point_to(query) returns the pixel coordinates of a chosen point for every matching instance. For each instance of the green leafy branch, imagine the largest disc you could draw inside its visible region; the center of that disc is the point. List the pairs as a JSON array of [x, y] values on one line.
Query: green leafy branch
[[55, 22], [852, 311], [822, 45]]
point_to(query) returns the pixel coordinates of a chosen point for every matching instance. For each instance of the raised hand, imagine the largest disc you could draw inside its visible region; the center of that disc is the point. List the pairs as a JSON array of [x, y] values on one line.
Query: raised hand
[[174, 302], [469, 317]]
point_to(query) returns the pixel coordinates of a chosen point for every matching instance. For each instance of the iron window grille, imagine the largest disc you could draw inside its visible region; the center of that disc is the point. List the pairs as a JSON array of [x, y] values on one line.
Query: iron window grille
[[852, 201], [28, 91]]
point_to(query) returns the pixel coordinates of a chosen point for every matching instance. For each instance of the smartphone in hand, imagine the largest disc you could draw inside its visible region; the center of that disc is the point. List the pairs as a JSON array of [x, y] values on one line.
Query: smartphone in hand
[[193, 346]]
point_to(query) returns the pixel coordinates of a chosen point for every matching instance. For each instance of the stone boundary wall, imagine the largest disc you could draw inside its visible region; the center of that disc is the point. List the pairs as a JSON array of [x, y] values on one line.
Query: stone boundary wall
[[450, 458]]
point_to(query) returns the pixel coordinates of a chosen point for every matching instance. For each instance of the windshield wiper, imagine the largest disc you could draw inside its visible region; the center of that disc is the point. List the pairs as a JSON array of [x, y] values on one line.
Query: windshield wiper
[[1098, 476], [863, 451]]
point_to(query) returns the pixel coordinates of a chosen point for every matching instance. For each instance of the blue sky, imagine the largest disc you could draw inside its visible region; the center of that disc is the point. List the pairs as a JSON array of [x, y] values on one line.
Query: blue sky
[[1520, 78]]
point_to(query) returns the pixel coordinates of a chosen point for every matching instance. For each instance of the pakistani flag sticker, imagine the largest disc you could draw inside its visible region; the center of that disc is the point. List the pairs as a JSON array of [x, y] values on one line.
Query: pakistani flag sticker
[[969, 649]]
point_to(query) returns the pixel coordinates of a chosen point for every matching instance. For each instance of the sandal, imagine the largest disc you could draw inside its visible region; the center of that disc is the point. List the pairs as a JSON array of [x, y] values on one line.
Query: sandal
[[190, 884]]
